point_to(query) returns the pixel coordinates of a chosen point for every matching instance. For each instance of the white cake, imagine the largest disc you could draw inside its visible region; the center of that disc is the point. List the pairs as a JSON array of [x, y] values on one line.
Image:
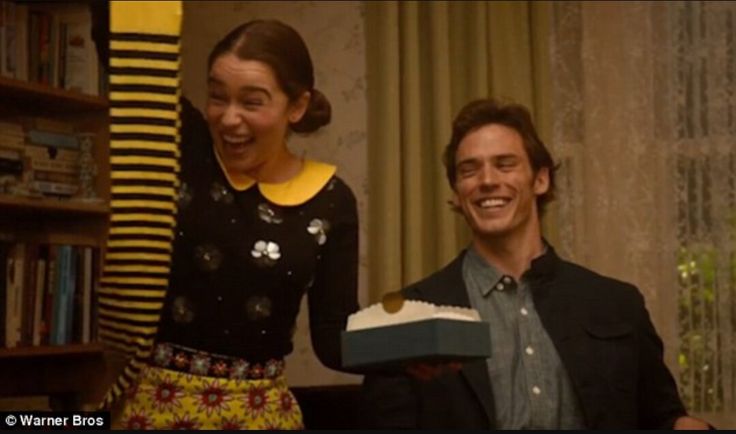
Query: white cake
[[411, 310]]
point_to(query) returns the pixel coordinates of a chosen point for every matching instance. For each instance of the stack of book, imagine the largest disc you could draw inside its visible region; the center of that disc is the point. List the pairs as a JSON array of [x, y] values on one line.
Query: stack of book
[[40, 156], [47, 294], [49, 44]]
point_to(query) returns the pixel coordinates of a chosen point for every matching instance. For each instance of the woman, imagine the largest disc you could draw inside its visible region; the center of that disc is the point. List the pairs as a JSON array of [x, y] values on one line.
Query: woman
[[258, 227]]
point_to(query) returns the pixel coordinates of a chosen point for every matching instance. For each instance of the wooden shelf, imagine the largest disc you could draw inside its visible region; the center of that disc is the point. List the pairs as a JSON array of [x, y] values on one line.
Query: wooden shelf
[[47, 98], [52, 351], [20, 204], [68, 372]]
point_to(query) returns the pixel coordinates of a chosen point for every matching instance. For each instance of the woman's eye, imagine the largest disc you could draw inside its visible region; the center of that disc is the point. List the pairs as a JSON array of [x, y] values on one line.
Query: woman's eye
[[253, 102], [218, 97]]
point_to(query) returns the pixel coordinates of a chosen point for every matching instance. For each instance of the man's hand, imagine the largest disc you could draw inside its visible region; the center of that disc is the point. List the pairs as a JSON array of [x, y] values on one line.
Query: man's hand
[[687, 422], [427, 371]]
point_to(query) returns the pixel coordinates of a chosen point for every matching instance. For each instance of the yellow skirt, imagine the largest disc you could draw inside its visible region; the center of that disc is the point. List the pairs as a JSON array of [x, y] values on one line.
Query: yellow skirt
[[165, 399]]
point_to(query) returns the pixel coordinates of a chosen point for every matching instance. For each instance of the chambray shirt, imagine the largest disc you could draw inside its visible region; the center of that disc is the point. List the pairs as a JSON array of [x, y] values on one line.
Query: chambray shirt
[[531, 389]]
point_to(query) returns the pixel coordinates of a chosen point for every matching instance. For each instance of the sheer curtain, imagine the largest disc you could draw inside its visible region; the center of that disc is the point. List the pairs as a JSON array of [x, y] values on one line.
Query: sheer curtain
[[644, 122]]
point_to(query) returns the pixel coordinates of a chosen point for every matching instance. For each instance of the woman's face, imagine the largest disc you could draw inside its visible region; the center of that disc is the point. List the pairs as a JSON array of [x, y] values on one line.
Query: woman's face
[[248, 113]]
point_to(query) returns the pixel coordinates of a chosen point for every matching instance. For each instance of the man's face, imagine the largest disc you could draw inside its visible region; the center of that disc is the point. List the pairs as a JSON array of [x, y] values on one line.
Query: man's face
[[496, 188]]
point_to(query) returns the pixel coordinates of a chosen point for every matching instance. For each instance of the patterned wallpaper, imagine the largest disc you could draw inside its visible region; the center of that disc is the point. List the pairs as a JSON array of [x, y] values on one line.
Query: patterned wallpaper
[[333, 32]]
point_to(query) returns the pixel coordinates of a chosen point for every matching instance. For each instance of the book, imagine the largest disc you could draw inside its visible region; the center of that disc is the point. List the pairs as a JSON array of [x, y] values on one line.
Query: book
[[14, 294], [54, 176], [81, 68], [87, 288], [21, 41], [60, 167], [43, 123], [38, 137], [39, 294], [9, 61], [51, 153], [49, 298], [5, 248], [71, 294], [29, 293], [54, 188], [60, 308]]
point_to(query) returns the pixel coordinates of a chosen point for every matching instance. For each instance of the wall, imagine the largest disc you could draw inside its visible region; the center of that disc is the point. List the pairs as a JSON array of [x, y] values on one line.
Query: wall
[[333, 31]]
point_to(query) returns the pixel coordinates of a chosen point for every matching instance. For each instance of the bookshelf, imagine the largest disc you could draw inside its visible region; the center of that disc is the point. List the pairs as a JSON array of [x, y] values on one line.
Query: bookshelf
[[63, 370]]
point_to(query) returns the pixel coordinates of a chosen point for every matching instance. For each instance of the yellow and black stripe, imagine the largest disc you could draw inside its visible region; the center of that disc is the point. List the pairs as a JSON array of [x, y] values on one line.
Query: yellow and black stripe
[[144, 160]]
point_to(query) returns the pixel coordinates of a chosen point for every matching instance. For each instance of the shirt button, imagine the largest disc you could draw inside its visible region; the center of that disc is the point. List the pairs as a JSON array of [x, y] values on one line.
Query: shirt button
[[529, 350], [499, 286], [524, 311], [219, 298], [536, 390], [506, 280], [226, 331]]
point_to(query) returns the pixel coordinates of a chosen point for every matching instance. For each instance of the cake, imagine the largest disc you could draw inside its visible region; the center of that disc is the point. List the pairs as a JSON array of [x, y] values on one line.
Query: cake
[[410, 311]]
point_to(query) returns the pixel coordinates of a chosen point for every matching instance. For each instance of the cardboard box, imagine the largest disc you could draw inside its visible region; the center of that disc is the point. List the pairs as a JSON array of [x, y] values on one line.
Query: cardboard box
[[433, 340]]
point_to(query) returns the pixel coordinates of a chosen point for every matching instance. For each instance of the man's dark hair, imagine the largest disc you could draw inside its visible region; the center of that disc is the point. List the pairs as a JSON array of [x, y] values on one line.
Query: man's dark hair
[[483, 112]]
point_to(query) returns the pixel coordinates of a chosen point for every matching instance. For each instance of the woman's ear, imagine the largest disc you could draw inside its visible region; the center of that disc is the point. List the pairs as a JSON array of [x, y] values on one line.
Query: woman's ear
[[299, 107]]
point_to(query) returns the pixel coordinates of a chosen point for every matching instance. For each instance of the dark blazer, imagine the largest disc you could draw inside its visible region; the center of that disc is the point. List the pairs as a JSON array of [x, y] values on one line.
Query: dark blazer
[[600, 328]]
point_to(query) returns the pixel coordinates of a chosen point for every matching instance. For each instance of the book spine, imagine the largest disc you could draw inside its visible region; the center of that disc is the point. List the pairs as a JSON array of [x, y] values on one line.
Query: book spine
[[53, 139]]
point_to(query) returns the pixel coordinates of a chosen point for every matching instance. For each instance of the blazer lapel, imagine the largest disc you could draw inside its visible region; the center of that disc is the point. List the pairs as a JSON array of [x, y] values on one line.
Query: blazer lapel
[[448, 288]]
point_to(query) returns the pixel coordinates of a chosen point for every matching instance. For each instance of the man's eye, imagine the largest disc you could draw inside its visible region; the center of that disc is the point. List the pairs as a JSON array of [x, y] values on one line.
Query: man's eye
[[466, 171], [253, 102]]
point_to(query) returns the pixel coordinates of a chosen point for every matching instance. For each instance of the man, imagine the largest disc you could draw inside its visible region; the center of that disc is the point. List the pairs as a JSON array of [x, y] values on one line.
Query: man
[[570, 348]]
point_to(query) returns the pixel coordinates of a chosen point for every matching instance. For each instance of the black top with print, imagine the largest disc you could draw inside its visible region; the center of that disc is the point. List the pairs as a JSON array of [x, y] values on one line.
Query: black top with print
[[241, 265]]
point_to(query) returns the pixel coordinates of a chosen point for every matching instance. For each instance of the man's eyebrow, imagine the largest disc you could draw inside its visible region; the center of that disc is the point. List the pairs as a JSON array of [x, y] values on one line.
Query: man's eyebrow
[[466, 161]]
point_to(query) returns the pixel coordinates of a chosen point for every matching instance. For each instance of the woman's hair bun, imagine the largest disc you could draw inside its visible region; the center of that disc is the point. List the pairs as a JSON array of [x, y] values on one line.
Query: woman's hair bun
[[317, 115]]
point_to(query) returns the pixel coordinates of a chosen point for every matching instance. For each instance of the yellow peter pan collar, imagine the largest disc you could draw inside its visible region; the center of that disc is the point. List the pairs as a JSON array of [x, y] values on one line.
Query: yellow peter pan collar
[[299, 189]]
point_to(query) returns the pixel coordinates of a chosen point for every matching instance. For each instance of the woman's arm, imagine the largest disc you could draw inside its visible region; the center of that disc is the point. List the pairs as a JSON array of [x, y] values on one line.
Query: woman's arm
[[334, 294]]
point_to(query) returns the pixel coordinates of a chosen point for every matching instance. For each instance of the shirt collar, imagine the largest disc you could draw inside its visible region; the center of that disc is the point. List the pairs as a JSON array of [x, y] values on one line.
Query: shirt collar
[[296, 191], [484, 272], [543, 266], [492, 278]]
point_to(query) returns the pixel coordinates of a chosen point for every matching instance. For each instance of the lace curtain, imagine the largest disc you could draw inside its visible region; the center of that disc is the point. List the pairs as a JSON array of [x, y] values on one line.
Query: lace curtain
[[644, 123]]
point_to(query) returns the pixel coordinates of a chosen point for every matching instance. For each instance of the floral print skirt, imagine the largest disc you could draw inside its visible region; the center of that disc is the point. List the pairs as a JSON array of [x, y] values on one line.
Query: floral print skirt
[[168, 399]]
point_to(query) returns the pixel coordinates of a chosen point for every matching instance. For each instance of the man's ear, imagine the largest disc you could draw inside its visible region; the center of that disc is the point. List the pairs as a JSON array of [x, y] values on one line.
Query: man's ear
[[299, 107], [454, 203], [541, 181]]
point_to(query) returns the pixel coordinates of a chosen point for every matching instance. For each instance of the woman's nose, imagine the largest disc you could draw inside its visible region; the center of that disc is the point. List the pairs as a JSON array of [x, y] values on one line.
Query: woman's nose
[[231, 116]]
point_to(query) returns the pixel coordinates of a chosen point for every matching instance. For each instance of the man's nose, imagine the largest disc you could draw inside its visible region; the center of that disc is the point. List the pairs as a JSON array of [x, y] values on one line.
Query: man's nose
[[488, 176]]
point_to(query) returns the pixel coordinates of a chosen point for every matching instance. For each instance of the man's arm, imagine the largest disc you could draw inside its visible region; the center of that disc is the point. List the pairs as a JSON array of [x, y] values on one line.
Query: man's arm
[[660, 406], [389, 402]]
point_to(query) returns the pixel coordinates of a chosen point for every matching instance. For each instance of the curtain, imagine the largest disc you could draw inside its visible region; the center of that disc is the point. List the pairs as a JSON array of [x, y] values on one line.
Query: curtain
[[425, 60], [644, 123]]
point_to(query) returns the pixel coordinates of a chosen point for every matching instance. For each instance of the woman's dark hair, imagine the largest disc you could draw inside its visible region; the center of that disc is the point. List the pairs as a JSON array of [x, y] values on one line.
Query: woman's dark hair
[[479, 113], [280, 47]]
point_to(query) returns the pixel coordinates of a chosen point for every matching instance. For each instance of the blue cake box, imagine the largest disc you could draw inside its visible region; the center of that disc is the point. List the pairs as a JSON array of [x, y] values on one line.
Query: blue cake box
[[432, 340]]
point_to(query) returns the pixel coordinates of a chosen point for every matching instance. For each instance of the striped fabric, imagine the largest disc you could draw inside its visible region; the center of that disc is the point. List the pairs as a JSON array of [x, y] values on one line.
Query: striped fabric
[[144, 154]]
